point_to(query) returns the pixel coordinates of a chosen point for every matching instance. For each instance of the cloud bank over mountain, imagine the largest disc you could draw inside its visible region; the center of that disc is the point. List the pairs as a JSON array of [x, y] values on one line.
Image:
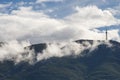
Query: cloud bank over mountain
[[53, 21], [21, 52]]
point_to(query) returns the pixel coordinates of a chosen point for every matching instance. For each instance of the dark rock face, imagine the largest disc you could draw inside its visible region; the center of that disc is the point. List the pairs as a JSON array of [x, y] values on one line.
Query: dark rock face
[[38, 47], [101, 64]]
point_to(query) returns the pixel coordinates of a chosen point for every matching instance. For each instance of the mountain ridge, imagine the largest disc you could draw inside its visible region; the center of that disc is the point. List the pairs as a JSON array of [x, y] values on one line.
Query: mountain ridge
[[103, 63]]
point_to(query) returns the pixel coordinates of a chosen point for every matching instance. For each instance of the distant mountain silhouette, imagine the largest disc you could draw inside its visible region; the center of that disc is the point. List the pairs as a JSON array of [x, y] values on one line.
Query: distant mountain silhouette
[[102, 63]]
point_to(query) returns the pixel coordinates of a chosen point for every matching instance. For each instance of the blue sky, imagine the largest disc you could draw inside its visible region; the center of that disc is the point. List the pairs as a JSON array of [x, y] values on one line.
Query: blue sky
[[62, 11], [66, 6]]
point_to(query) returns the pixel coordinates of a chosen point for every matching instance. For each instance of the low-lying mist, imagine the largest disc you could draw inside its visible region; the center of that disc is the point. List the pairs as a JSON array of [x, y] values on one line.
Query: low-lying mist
[[19, 51]]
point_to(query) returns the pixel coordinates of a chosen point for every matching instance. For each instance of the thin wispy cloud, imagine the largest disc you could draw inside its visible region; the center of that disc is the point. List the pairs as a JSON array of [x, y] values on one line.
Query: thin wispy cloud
[[41, 1]]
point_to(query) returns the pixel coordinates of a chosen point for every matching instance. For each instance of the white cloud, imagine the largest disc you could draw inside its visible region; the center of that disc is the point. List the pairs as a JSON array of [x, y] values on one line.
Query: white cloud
[[92, 17], [69, 49], [114, 35], [25, 22], [14, 51], [60, 50], [37, 27]]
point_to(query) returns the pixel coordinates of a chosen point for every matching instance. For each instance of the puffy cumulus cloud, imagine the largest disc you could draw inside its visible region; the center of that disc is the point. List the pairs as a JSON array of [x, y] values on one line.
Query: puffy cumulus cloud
[[25, 22], [41, 1], [91, 17], [37, 27]]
